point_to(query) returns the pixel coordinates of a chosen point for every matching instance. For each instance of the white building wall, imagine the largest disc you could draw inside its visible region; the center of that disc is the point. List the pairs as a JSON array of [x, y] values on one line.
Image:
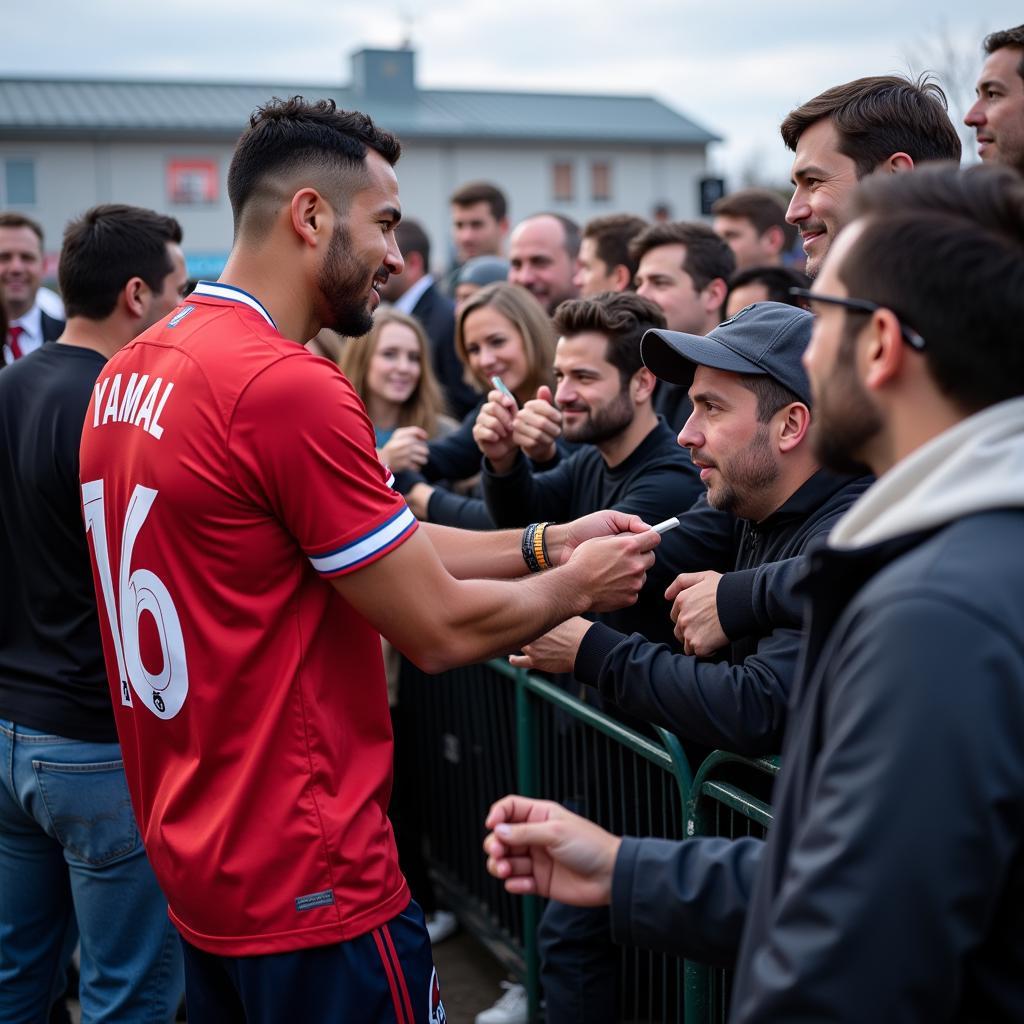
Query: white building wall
[[641, 178], [72, 176]]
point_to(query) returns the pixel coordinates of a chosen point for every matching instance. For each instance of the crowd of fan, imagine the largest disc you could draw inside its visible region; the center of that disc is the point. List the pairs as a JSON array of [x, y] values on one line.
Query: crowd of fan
[[657, 369]]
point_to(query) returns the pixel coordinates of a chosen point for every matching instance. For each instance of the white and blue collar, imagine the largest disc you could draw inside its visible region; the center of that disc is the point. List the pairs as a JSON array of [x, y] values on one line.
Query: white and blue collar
[[228, 292]]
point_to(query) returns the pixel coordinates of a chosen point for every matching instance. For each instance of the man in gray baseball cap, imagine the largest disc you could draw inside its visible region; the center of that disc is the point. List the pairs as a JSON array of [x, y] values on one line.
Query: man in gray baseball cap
[[751, 404], [748, 436], [767, 338]]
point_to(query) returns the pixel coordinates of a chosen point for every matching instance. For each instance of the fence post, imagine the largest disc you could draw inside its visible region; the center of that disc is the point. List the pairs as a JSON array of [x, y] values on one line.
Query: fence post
[[526, 774], [680, 764]]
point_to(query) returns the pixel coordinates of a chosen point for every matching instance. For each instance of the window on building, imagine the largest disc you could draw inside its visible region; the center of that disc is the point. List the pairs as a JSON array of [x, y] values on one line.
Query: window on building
[[192, 182], [20, 182], [562, 181], [600, 181]]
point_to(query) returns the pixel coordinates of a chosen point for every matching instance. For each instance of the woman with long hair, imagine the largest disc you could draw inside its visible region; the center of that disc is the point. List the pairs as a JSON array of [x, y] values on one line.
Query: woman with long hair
[[501, 331], [390, 370]]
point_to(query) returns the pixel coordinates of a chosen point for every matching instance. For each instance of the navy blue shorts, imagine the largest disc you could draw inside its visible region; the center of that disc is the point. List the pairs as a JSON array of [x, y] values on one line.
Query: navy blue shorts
[[384, 977]]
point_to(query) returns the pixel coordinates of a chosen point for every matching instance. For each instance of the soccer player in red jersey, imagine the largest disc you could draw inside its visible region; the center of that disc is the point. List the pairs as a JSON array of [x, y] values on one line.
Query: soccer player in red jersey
[[247, 548]]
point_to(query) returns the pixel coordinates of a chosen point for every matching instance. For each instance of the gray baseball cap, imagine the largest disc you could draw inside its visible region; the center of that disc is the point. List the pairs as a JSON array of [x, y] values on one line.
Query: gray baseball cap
[[767, 338]]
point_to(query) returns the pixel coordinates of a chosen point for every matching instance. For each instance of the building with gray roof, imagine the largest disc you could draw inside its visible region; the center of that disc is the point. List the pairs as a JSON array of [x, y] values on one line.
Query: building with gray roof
[[67, 144]]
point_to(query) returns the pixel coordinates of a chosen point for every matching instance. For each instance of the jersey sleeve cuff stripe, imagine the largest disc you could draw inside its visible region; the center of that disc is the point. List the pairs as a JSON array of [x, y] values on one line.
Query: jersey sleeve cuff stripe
[[365, 548]]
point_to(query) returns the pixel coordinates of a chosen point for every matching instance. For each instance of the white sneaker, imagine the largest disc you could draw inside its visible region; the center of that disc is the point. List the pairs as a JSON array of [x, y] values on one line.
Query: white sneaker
[[511, 1008], [441, 925]]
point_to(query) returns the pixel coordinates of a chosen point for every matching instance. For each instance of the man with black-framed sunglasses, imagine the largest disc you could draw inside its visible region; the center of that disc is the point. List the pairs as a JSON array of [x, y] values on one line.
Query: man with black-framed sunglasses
[[910, 336]]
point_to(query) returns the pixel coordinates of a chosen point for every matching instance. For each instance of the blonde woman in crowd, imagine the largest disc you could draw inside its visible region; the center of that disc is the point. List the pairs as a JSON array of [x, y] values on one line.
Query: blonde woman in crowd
[[390, 370], [501, 331]]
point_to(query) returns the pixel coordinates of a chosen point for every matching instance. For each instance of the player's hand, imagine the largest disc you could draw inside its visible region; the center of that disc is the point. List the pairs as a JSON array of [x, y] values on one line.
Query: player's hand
[[406, 448], [492, 431], [694, 597], [611, 570], [537, 426], [556, 650], [538, 847], [564, 538]]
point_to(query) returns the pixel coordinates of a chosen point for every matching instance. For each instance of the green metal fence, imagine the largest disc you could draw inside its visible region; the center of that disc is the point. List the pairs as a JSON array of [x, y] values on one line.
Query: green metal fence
[[488, 730], [730, 797]]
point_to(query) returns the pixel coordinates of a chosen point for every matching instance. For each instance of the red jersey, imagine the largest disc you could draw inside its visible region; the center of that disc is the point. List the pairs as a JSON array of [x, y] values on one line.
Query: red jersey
[[225, 471]]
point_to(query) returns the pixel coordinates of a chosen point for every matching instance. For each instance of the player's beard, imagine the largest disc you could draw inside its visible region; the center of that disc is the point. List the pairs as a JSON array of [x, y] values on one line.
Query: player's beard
[[344, 284], [603, 424]]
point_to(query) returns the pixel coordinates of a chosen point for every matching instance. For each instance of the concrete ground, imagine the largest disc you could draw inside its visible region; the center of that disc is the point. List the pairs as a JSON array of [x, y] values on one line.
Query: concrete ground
[[470, 977]]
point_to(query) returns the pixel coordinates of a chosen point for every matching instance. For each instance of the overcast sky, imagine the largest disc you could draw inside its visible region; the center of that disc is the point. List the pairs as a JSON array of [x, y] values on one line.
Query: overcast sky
[[735, 66]]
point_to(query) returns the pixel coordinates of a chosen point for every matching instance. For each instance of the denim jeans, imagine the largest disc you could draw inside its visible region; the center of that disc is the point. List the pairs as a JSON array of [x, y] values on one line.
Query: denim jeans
[[69, 849]]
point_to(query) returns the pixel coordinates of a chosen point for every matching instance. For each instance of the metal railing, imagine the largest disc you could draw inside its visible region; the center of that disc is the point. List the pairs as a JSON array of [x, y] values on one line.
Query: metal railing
[[730, 797], [488, 730]]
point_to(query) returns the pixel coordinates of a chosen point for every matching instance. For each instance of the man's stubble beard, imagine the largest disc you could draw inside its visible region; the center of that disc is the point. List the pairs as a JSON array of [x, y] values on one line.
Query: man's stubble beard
[[750, 473], [605, 424], [844, 418]]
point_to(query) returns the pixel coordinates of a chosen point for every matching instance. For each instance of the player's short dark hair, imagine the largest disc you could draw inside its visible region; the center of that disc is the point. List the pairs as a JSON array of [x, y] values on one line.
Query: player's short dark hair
[[622, 317], [944, 250], [876, 117], [707, 255], [1007, 37], [411, 237], [13, 219], [474, 192], [612, 235], [105, 248], [288, 134]]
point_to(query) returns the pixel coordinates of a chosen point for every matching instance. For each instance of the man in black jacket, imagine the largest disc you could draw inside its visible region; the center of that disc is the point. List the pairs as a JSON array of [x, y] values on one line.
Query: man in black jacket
[[69, 845], [627, 457], [748, 435], [889, 886]]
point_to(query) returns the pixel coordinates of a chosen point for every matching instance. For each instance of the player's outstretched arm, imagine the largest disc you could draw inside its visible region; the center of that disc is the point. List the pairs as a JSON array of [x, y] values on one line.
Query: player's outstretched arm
[[536, 846], [475, 554], [439, 621]]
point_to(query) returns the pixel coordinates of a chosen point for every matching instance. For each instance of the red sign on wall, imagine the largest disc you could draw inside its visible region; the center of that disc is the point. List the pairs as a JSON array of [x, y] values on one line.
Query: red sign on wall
[[192, 182]]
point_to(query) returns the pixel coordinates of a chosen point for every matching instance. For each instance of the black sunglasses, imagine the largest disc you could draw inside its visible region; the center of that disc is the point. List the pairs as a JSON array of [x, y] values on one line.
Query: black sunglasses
[[909, 335]]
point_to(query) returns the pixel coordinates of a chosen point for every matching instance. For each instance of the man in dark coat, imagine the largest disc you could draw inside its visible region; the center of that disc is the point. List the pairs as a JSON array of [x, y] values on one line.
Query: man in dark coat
[[889, 886]]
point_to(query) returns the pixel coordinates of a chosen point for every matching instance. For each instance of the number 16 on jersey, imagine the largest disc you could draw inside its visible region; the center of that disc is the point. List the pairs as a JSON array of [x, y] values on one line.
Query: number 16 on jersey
[[163, 692]]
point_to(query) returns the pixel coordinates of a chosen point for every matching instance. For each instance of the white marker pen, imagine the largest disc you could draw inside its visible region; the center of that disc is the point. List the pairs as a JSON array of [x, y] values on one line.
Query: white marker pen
[[668, 524], [501, 386]]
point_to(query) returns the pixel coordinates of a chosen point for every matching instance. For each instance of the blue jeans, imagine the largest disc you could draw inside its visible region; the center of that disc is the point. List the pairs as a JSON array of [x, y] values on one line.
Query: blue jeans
[[69, 848]]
